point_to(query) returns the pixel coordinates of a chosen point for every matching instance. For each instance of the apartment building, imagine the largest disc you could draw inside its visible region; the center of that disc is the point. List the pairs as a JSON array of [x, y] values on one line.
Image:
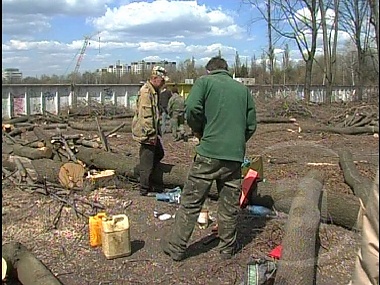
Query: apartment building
[[11, 75], [140, 67], [118, 69], [137, 67]]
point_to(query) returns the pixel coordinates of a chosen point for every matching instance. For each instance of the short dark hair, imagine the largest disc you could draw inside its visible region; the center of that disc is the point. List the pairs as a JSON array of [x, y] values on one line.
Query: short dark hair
[[175, 89], [216, 63]]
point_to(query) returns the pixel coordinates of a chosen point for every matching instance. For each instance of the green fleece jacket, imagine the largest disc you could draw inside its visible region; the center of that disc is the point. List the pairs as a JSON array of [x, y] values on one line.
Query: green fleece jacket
[[223, 111]]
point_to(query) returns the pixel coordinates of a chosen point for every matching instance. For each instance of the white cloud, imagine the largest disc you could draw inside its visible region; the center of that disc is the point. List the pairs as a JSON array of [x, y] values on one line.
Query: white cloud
[[25, 17], [56, 7], [24, 25], [167, 19]]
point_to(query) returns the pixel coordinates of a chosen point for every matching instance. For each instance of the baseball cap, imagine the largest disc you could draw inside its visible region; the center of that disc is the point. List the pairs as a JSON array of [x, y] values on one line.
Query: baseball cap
[[160, 71]]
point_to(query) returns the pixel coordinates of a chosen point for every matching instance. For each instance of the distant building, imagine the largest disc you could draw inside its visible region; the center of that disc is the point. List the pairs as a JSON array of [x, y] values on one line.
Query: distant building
[[12, 75], [246, 81], [140, 67], [137, 67], [118, 69]]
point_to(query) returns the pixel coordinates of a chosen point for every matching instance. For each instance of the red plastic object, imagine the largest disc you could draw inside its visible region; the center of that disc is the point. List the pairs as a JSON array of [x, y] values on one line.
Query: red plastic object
[[276, 252], [248, 180]]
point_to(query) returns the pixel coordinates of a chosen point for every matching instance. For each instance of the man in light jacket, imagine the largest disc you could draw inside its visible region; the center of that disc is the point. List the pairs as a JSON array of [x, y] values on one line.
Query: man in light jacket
[[146, 128]]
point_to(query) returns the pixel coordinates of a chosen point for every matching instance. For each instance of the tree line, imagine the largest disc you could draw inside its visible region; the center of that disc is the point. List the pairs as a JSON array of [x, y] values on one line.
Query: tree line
[[357, 64]]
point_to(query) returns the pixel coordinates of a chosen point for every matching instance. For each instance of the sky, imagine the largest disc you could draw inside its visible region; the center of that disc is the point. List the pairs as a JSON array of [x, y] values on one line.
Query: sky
[[45, 37]]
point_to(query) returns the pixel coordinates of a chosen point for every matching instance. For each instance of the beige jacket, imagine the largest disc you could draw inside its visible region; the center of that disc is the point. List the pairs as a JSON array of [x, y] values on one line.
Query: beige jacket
[[146, 118]]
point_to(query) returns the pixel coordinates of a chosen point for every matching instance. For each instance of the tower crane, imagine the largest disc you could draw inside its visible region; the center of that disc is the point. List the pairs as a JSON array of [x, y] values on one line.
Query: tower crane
[[81, 54]]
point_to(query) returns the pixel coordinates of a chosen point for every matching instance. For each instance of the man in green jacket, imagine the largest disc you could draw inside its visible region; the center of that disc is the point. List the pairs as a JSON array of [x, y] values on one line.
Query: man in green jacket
[[221, 112], [176, 110]]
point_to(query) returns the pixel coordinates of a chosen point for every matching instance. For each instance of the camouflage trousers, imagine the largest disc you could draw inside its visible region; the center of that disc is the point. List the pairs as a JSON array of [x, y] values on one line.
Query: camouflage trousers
[[203, 172], [177, 121]]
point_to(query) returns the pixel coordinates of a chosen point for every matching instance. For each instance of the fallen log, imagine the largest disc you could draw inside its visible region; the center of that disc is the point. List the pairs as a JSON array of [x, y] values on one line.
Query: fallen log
[[17, 120], [164, 174], [93, 127], [35, 144], [25, 267], [55, 118], [360, 185], [31, 152], [88, 143], [42, 136], [344, 131], [298, 262], [54, 126], [271, 120], [19, 131], [115, 130], [338, 209], [47, 170], [67, 137]]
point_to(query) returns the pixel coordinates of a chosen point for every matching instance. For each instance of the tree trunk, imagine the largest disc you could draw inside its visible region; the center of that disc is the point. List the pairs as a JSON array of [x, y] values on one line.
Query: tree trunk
[[164, 174], [346, 130], [47, 170], [298, 262], [337, 209], [90, 126], [25, 267], [271, 120], [32, 153], [360, 185]]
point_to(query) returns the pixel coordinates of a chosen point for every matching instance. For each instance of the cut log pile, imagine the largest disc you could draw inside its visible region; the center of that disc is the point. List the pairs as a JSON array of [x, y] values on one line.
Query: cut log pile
[[353, 121], [284, 108]]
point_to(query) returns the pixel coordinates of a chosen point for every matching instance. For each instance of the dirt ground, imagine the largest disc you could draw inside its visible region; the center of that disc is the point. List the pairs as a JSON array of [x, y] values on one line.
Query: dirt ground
[[65, 249]]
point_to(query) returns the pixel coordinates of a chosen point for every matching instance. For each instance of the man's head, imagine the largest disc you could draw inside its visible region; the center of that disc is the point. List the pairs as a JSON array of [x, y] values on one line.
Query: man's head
[[158, 76], [216, 63], [175, 89]]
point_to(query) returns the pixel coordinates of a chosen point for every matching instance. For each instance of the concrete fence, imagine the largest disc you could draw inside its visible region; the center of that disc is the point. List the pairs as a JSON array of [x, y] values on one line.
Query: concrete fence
[[35, 99], [31, 99]]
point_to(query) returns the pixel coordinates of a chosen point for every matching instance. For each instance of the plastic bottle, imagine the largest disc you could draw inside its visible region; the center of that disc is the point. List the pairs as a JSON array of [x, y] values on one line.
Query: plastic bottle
[[95, 229], [259, 211]]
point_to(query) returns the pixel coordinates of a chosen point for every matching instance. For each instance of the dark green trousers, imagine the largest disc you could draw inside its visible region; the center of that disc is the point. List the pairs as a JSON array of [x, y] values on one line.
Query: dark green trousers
[[203, 172], [177, 120]]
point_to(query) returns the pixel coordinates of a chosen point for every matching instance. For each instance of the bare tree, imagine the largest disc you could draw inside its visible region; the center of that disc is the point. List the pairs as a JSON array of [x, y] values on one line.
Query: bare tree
[[300, 28], [270, 44], [285, 62], [330, 39], [237, 67], [374, 6], [355, 20]]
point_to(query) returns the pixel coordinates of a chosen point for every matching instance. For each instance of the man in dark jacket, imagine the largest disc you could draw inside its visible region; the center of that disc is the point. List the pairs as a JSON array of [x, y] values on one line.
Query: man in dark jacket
[[221, 112], [163, 103]]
